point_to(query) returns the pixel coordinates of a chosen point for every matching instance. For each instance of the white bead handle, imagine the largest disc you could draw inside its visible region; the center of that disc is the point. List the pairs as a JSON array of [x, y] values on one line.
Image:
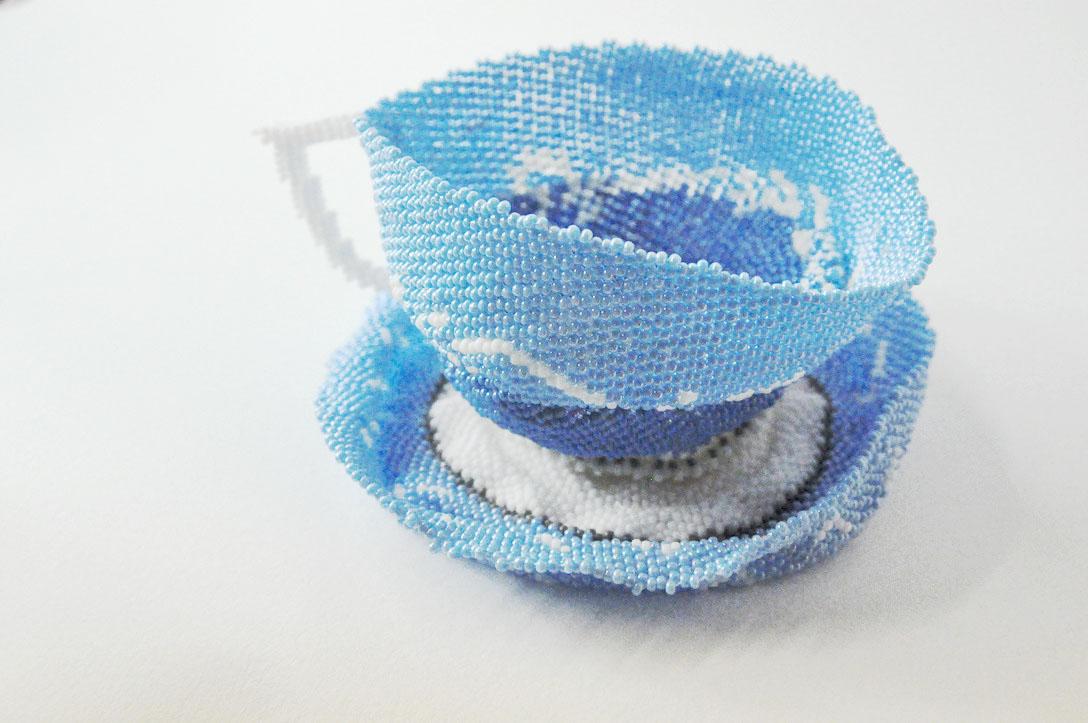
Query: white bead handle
[[291, 145]]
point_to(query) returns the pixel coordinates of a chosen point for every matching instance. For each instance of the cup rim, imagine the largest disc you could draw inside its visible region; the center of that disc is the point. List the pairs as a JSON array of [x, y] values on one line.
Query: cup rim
[[376, 141]]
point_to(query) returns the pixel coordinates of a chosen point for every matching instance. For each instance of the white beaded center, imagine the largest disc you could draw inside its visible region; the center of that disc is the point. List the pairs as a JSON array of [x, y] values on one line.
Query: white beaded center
[[734, 482]]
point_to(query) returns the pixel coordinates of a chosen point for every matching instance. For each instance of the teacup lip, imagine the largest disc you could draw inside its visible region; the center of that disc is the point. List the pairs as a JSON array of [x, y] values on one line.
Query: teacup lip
[[376, 140]]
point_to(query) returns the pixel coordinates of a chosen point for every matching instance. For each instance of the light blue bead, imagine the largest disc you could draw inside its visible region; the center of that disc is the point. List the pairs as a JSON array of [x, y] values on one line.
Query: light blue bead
[[389, 373], [437, 151], [619, 251]]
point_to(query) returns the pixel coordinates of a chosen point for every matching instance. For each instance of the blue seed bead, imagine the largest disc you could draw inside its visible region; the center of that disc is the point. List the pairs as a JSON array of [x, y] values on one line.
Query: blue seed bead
[[622, 252], [374, 407]]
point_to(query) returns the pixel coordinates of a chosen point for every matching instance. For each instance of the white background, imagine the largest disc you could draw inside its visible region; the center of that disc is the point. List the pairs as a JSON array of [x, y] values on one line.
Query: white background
[[177, 542]]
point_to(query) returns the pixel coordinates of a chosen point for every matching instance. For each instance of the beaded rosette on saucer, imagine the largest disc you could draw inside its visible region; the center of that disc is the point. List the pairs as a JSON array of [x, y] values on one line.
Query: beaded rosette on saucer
[[650, 324]]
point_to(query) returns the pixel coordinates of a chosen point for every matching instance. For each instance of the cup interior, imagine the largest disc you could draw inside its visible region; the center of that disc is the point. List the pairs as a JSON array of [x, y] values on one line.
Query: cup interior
[[761, 168]]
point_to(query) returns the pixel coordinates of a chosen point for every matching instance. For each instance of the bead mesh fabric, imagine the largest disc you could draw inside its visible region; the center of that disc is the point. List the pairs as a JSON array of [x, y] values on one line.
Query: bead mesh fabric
[[732, 483], [613, 433], [623, 253], [640, 228], [374, 410]]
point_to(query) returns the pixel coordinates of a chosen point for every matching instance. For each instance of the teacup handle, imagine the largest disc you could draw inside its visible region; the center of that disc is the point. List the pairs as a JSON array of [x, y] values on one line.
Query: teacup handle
[[291, 145]]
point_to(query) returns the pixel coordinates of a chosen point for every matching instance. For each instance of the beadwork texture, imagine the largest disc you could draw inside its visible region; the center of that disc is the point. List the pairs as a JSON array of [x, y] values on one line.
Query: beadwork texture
[[729, 484], [588, 431], [374, 410], [640, 228], [609, 265]]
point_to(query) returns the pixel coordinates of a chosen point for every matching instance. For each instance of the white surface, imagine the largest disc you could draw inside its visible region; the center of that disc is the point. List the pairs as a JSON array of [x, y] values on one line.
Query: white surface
[[176, 541]]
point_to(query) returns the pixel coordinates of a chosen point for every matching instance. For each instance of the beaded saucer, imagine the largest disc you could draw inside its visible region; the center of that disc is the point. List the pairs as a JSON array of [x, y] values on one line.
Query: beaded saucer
[[650, 322], [376, 411]]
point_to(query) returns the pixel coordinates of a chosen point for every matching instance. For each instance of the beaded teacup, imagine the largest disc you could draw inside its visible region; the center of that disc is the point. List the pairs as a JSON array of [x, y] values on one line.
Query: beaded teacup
[[612, 266]]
